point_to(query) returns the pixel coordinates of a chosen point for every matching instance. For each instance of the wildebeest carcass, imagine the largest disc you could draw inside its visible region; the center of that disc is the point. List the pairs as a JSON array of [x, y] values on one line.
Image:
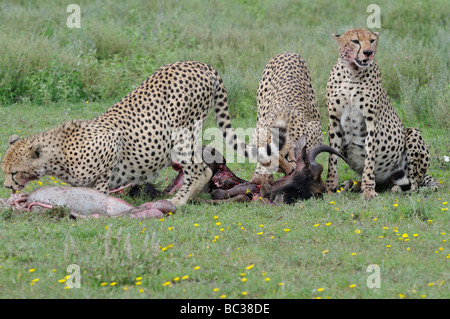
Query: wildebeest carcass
[[302, 183]]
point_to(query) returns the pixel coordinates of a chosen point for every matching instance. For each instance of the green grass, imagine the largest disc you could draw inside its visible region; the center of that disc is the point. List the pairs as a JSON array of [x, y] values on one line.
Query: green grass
[[48, 72], [304, 258], [309, 256]]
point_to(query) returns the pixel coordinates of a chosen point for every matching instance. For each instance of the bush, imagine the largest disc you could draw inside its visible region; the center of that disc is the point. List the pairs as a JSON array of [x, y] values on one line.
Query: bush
[[120, 44]]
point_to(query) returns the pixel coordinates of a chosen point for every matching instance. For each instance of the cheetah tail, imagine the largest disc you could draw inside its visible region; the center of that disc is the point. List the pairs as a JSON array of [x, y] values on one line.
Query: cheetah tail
[[399, 177], [278, 142], [251, 151]]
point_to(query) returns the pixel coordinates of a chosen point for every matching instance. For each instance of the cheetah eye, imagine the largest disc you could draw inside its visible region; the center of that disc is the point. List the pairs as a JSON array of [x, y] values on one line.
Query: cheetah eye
[[372, 40], [355, 41]]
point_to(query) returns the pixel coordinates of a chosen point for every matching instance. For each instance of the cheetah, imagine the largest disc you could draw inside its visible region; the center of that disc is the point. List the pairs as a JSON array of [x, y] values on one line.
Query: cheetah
[[364, 126], [153, 126], [285, 93]]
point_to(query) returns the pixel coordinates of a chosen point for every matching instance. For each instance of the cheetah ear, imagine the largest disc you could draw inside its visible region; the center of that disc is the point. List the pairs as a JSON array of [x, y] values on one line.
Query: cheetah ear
[[376, 34], [13, 138], [36, 150], [336, 37]]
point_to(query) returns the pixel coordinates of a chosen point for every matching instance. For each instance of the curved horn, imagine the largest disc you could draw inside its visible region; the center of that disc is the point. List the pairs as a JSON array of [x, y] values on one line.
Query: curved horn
[[320, 149]]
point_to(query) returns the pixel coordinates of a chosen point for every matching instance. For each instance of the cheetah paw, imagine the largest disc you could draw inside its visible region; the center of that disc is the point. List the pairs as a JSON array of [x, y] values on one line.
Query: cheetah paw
[[369, 194]]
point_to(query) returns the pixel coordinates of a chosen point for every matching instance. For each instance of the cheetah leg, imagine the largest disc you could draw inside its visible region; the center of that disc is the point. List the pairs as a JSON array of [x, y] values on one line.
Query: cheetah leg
[[102, 183], [113, 143], [196, 173], [335, 139], [430, 182], [315, 134], [368, 175], [287, 165], [195, 178]]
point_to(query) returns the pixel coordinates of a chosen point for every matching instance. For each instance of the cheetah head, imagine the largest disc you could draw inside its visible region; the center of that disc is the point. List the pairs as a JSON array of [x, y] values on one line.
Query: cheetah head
[[22, 163], [357, 47]]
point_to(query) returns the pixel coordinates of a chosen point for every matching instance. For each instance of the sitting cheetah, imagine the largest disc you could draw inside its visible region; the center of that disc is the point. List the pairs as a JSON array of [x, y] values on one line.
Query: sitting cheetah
[[135, 138], [364, 126], [285, 93]]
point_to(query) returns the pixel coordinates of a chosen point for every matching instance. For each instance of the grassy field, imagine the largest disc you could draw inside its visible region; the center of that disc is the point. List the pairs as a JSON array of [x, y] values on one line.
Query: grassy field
[[315, 249]]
